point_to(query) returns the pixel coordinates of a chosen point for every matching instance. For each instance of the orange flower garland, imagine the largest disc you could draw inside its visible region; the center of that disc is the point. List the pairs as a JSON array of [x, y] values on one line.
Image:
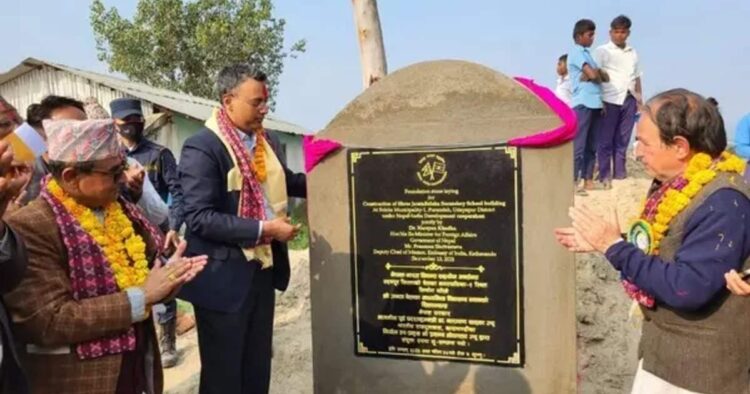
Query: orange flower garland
[[259, 158], [124, 250]]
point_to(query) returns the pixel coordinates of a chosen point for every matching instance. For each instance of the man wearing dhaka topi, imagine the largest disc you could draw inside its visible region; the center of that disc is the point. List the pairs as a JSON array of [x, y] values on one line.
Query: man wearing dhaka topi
[[95, 268], [694, 228]]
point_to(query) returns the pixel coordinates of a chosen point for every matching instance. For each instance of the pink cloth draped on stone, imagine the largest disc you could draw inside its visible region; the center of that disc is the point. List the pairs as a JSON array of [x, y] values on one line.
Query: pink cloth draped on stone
[[553, 137], [317, 150]]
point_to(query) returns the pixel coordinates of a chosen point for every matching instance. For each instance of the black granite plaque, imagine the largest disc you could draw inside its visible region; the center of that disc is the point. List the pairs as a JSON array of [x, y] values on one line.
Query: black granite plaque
[[436, 254]]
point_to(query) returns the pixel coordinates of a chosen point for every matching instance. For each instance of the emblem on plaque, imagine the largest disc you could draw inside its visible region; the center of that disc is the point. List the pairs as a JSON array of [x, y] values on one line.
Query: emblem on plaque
[[432, 170]]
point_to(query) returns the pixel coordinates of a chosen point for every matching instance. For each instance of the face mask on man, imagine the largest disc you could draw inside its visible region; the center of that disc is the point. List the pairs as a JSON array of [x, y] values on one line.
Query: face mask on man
[[132, 131]]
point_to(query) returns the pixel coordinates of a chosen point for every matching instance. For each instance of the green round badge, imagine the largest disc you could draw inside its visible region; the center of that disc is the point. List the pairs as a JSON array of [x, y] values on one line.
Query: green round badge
[[641, 234]]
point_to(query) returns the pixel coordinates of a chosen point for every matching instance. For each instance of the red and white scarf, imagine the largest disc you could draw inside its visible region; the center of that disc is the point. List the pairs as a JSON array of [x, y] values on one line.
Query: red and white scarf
[[251, 195]]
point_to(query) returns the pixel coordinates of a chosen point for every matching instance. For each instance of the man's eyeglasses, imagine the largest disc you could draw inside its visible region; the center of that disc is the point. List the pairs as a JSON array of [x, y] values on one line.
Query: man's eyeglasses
[[115, 172], [257, 103]]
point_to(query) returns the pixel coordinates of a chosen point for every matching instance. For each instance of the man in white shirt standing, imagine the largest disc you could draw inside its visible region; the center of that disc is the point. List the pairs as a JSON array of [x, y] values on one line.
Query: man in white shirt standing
[[621, 96], [563, 90]]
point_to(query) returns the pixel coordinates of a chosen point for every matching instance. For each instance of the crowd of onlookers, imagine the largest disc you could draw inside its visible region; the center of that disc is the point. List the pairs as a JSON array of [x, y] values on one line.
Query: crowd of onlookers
[[89, 246], [604, 88]]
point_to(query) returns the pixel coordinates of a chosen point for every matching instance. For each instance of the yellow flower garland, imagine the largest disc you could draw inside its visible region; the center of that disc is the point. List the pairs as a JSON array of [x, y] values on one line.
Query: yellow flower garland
[[124, 250], [700, 171]]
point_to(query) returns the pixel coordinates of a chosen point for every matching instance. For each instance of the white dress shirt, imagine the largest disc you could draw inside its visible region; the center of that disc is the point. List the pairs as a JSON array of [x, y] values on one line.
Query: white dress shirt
[[623, 68], [647, 383], [563, 90]]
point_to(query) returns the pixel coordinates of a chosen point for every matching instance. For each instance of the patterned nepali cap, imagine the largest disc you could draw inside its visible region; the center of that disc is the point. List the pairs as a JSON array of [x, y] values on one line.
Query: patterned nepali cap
[[79, 141]]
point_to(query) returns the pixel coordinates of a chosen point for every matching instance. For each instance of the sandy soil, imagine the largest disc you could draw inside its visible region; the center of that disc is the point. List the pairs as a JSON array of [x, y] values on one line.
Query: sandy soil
[[292, 358], [607, 338]]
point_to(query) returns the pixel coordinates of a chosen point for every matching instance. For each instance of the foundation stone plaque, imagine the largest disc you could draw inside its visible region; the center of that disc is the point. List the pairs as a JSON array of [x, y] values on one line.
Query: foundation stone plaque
[[436, 254]]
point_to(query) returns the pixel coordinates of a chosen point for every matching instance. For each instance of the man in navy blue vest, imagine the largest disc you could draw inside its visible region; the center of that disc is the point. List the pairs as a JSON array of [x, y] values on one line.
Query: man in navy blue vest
[[161, 169], [245, 242]]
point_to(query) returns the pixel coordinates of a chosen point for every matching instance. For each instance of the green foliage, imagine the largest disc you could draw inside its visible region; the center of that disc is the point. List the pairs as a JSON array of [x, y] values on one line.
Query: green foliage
[[299, 216], [181, 44], [302, 241], [185, 307]]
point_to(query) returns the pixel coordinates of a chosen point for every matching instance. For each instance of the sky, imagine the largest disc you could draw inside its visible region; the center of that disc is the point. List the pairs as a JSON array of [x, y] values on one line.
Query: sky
[[694, 44]]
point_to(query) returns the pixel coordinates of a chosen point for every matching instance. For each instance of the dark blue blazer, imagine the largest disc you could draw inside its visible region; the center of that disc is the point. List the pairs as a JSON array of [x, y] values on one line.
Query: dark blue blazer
[[214, 229]]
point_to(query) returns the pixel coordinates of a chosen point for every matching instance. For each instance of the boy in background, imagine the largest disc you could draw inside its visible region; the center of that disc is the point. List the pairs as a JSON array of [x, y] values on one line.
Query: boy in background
[[563, 89], [586, 79], [621, 97]]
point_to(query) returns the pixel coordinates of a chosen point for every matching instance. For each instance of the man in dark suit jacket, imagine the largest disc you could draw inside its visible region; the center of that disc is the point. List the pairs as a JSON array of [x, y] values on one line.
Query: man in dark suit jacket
[[235, 186], [12, 268]]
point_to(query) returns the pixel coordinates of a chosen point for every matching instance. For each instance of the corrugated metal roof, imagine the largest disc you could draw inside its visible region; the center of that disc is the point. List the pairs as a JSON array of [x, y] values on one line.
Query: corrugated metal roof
[[192, 106]]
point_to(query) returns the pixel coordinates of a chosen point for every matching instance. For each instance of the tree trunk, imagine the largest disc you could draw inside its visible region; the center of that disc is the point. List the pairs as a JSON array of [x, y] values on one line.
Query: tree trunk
[[370, 37]]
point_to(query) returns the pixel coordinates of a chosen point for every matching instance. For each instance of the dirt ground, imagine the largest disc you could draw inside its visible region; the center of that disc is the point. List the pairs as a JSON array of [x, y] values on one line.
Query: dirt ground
[[292, 349], [607, 339]]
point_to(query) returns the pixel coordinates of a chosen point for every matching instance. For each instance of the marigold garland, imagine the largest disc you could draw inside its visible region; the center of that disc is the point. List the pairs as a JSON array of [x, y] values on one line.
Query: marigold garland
[[124, 250], [259, 158], [700, 171], [661, 207]]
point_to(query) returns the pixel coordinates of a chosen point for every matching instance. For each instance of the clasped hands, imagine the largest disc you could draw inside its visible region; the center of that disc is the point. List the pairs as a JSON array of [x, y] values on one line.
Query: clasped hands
[[589, 232], [165, 280]]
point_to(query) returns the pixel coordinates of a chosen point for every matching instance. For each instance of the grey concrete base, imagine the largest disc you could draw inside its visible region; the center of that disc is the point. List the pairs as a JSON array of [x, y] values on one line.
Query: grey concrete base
[[443, 104]]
